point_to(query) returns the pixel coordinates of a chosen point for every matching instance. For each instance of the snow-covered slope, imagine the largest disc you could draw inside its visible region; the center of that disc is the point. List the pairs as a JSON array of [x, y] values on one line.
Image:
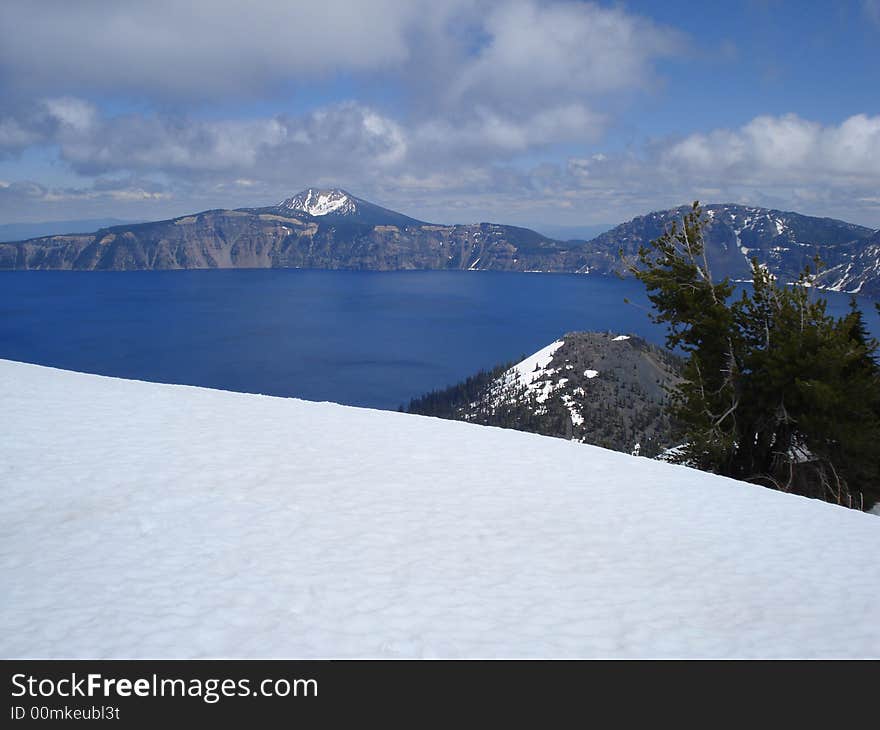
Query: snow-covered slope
[[154, 520], [595, 387], [336, 206], [322, 202], [858, 270], [528, 372]]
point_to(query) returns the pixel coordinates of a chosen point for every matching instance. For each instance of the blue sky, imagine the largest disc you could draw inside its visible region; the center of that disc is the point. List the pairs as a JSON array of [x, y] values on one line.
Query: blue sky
[[541, 113]]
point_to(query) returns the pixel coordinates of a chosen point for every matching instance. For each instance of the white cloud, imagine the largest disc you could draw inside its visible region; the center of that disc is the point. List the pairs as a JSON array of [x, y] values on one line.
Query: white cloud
[[784, 162], [484, 133], [15, 135], [198, 47], [440, 172], [199, 50], [505, 75], [540, 75], [93, 144], [131, 197], [71, 113], [544, 51], [771, 150], [477, 87]]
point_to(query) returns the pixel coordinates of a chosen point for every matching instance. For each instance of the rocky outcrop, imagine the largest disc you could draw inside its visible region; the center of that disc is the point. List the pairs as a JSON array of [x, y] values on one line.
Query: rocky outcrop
[[595, 387]]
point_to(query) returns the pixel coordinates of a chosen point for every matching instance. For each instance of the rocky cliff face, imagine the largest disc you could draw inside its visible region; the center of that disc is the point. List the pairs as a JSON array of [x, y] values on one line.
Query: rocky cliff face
[[331, 229], [214, 239], [784, 242], [855, 267], [246, 239]]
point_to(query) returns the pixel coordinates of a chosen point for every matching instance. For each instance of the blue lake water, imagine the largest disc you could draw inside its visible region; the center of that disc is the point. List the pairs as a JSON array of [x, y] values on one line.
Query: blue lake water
[[362, 338]]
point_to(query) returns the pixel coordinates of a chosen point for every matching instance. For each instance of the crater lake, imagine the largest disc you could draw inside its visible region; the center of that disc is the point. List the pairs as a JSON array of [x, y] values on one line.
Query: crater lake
[[373, 339]]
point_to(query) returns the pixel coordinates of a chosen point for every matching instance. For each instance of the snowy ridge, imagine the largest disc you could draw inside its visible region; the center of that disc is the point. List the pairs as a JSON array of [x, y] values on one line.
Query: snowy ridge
[[172, 521], [535, 376], [783, 242], [858, 270], [533, 367], [774, 235], [321, 202], [757, 222]]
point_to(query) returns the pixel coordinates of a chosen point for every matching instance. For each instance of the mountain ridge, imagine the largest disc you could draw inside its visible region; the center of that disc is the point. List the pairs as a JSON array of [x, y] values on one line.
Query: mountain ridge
[[785, 241], [599, 388], [346, 232], [339, 206]]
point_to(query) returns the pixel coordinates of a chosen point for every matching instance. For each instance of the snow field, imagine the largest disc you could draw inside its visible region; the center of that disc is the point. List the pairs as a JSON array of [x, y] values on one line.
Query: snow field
[[147, 520]]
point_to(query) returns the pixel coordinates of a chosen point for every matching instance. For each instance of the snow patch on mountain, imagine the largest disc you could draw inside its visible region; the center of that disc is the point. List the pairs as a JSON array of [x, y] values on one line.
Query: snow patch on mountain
[[858, 272], [549, 374], [532, 375], [534, 366], [318, 202]]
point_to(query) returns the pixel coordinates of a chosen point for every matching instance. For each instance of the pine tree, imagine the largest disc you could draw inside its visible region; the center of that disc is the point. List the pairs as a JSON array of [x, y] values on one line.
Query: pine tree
[[775, 390], [675, 271]]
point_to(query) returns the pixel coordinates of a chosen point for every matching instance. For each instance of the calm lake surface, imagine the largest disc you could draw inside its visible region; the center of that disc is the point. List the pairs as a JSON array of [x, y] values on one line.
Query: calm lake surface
[[364, 338]]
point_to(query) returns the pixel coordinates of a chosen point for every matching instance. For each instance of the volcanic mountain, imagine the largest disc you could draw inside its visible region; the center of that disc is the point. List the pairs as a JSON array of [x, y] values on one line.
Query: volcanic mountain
[[338, 206]]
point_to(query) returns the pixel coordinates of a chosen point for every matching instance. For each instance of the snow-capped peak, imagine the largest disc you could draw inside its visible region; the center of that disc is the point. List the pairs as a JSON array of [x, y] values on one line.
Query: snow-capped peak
[[319, 202]]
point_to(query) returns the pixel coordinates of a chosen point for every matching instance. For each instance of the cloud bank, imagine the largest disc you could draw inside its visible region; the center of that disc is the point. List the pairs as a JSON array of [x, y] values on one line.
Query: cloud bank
[[472, 109]]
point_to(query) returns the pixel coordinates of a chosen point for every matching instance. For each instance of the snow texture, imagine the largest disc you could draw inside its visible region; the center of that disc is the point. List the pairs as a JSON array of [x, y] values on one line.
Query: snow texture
[[147, 520], [321, 202], [528, 372], [534, 366]]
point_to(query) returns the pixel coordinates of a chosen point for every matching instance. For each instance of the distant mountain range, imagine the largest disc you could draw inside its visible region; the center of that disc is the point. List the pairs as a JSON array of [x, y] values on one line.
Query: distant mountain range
[[332, 229], [783, 241]]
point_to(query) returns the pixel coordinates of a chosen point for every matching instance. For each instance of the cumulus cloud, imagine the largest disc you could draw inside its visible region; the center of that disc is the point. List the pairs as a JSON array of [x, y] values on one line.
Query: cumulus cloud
[[771, 150], [434, 169], [510, 78], [16, 135], [30, 124], [327, 141], [128, 197], [94, 144], [494, 50], [784, 161], [44, 122], [509, 75], [484, 133], [472, 93], [538, 74], [541, 52]]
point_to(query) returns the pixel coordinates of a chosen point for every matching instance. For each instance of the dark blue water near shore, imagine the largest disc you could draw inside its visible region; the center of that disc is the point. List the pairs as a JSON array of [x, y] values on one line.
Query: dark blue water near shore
[[363, 338]]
